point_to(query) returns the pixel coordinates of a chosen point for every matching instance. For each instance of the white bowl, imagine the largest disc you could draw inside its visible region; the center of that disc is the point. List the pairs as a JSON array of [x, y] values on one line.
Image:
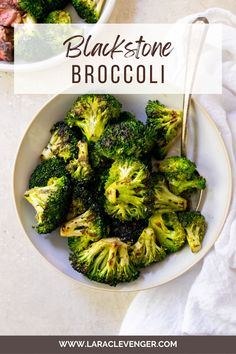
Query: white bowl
[[205, 147], [106, 13]]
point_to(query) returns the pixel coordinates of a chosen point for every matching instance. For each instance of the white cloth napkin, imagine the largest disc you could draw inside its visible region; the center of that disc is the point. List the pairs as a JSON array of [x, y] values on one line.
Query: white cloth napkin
[[203, 300]]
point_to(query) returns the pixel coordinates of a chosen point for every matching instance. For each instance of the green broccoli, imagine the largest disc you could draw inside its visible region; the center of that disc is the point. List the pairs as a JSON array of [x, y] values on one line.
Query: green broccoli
[[82, 200], [126, 190], [63, 143], [89, 10], [91, 113], [165, 122], [106, 261], [180, 186], [52, 5], [181, 167], [46, 170], [128, 231], [79, 168], [164, 198], [90, 223], [123, 139], [35, 8], [50, 202], [146, 251], [181, 175], [86, 228], [58, 17], [97, 186], [98, 161], [195, 226], [169, 231]]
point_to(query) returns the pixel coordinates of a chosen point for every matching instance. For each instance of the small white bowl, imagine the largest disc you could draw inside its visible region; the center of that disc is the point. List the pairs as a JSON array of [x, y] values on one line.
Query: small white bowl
[[106, 13], [205, 147]]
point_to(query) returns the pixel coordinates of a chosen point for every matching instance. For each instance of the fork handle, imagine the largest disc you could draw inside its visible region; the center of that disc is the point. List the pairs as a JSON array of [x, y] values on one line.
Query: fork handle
[[189, 81]]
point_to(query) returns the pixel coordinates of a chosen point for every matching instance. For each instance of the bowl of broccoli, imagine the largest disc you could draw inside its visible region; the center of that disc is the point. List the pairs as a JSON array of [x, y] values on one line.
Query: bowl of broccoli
[[103, 194], [47, 12]]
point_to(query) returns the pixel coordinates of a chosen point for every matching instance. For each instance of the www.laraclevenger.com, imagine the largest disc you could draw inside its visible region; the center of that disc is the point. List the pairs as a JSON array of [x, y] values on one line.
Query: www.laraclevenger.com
[[118, 344]]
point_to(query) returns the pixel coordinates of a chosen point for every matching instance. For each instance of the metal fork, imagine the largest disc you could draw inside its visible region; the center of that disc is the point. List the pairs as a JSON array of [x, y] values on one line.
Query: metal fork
[[196, 198]]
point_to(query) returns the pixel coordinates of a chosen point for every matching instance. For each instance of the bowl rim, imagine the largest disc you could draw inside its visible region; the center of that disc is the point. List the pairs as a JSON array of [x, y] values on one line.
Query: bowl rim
[[10, 67], [92, 284]]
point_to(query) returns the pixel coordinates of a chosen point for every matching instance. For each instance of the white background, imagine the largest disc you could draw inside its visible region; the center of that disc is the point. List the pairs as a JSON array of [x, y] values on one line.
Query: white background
[[34, 297]]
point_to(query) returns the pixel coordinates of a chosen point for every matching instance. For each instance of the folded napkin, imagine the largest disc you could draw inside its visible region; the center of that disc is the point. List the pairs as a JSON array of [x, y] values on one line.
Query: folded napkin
[[203, 300]]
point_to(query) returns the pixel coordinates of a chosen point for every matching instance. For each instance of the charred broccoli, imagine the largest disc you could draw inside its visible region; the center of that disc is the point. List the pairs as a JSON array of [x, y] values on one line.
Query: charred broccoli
[[98, 161], [146, 251], [165, 122], [46, 170], [82, 200], [126, 190], [62, 143], [58, 17], [84, 229], [124, 139], [89, 224], [91, 113], [164, 198], [50, 202], [97, 186], [128, 231], [79, 168], [169, 231], [119, 207], [106, 261], [181, 174], [89, 10], [195, 226]]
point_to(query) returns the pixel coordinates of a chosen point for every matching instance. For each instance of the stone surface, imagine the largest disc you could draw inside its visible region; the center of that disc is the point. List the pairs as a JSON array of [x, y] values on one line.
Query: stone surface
[[34, 297]]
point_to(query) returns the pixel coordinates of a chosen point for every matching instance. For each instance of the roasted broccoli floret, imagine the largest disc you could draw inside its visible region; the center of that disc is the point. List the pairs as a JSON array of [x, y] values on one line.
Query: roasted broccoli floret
[[163, 198], [98, 161], [168, 230], [46, 170], [62, 143], [165, 122], [79, 168], [106, 261], [84, 230], [52, 5], [35, 8], [180, 186], [89, 10], [124, 139], [97, 186], [82, 200], [128, 231], [58, 17], [181, 167], [87, 227], [146, 251], [181, 174], [195, 226], [91, 113], [50, 202], [127, 191]]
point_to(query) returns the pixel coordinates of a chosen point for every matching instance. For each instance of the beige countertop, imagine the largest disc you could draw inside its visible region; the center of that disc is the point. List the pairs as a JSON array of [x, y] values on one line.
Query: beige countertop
[[34, 297]]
